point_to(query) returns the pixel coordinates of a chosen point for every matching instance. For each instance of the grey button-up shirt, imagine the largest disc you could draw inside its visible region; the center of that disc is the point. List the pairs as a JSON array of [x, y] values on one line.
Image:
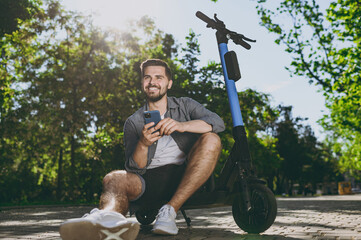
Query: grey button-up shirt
[[180, 109]]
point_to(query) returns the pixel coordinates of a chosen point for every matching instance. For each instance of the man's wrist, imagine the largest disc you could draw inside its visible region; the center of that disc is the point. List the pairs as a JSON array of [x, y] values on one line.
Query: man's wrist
[[183, 126], [142, 144]]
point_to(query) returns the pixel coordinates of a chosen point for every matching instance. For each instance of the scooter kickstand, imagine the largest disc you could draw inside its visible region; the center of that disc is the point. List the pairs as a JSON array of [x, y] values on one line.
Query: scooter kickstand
[[188, 220]]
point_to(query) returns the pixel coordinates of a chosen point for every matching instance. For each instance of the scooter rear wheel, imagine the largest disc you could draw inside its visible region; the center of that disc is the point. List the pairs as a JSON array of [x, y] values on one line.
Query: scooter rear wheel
[[263, 212]]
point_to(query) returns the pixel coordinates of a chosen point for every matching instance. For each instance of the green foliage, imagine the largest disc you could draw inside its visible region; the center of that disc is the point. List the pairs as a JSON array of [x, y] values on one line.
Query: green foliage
[[325, 46], [304, 160], [69, 87], [266, 158], [12, 12]]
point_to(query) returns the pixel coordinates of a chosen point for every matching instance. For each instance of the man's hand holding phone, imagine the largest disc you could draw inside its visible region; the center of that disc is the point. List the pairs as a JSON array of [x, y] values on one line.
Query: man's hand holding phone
[[155, 128], [149, 134], [153, 133]]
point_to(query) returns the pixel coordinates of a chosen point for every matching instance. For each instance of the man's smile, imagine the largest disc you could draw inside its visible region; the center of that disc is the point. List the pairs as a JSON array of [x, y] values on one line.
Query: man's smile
[[152, 89]]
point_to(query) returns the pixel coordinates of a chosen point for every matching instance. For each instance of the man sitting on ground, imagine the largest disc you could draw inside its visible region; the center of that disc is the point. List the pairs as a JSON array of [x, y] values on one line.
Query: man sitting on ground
[[167, 162]]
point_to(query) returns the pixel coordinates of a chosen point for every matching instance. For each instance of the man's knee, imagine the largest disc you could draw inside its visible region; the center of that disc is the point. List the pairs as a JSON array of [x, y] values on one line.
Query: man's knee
[[122, 179], [210, 140], [114, 177]]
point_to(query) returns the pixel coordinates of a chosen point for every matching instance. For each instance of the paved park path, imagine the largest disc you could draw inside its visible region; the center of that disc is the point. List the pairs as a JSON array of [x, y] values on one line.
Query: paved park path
[[325, 217]]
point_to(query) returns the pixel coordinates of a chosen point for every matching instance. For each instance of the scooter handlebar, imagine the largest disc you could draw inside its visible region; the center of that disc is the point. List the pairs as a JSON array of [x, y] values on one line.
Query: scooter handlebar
[[220, 26], [204, 18]]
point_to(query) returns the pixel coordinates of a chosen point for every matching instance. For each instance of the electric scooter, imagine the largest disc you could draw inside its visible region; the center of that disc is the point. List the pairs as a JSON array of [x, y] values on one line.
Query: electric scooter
[[254, 207]]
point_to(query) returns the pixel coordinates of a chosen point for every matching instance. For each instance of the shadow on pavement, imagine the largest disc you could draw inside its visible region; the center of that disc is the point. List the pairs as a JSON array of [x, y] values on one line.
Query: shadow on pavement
[[19, 231], [207, 233], [323, 206], [216, 223], [32, 221]]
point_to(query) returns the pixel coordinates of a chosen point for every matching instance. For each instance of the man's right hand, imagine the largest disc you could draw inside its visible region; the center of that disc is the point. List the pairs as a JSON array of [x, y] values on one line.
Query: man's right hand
[[149, 136]]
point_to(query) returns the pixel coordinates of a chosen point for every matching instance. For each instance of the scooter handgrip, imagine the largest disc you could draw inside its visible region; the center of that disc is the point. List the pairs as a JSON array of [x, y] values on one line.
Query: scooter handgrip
[[245, 45], [242, 43], [203, 17]]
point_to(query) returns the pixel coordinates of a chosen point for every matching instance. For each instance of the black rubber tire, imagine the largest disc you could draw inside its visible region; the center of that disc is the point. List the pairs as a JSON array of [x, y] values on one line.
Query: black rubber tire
[[264, 211], [146, 216]]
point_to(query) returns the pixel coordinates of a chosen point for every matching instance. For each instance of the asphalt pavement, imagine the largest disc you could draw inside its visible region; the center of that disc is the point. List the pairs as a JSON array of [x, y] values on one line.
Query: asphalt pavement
[[323, 217]]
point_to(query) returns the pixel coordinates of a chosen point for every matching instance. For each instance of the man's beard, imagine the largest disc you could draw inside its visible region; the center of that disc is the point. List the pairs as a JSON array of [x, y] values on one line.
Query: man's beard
[[155, 98]]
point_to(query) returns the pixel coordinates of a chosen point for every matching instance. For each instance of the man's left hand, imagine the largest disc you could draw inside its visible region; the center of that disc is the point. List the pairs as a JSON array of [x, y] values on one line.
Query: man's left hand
[[167, 126]]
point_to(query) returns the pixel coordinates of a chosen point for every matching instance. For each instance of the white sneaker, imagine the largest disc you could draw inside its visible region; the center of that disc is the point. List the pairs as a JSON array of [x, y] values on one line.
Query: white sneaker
[[98, 225], [165, 223]]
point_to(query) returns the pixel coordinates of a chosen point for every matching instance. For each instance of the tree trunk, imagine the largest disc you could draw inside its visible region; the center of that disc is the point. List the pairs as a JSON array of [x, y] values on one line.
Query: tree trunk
[[60, 175], [270, 182], [72, 167], [280, 184]]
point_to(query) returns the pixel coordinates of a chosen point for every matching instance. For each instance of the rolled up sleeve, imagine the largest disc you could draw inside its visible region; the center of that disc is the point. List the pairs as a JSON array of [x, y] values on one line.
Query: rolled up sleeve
[[198, 112], [131, 139]]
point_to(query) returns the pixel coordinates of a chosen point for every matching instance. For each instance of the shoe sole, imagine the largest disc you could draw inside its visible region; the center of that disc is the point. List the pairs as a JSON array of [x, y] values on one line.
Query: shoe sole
[[90, 231], [163, 232]]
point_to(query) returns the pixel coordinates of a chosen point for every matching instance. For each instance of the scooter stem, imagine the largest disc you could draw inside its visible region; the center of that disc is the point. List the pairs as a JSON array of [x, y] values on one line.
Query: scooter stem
[[231, 89]]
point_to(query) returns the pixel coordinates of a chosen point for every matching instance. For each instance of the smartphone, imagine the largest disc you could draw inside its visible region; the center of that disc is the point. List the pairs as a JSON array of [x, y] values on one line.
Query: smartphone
[[152, 116]]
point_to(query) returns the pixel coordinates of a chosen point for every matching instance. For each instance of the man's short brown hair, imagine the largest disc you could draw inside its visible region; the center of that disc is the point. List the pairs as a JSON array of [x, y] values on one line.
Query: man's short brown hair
[[156, 62]]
